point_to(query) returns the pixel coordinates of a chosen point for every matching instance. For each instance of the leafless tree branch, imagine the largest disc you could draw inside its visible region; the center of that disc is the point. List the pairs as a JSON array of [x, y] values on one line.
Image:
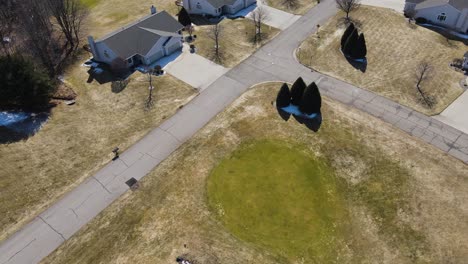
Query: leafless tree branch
[[348, 6]]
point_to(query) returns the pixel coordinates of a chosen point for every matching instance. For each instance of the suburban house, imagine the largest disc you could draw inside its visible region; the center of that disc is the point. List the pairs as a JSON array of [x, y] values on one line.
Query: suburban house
[[140, 43], [451, 14], [216, 8]]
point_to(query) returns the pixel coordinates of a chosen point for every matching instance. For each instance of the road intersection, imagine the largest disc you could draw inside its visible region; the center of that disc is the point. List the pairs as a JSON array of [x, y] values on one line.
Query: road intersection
[[273, 62]]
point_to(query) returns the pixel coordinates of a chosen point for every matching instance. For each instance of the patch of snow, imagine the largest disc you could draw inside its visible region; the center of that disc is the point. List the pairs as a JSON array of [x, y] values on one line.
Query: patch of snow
[[294, 110]]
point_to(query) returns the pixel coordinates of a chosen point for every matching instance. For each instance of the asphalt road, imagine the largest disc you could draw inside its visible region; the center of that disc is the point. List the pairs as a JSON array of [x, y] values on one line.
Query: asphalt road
[[273, 62]]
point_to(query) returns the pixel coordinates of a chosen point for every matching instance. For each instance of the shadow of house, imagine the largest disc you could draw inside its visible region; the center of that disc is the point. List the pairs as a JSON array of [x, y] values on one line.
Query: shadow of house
[[446, 33], [19, 125]]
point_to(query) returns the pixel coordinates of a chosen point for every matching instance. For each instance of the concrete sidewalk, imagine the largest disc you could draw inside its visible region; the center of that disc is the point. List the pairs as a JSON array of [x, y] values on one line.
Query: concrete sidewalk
[[456, 114], [397, 5]]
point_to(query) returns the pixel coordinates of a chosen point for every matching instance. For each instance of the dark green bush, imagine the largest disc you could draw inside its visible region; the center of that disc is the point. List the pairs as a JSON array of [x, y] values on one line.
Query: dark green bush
[[284, 96], [22, 85], [297, 90]]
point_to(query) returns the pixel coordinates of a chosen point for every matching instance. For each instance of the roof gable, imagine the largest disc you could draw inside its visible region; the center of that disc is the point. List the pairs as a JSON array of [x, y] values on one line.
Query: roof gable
[[140, 36]]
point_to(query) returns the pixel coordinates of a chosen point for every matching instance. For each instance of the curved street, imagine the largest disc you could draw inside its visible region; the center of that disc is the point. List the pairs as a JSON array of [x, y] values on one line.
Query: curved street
[[273, 62]]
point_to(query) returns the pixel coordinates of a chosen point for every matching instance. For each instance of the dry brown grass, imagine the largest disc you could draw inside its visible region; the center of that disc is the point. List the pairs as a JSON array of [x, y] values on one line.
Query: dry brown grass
[[152, 224], [78, 140], [236, 41], [394, 51], [300, 8], [108, 15]]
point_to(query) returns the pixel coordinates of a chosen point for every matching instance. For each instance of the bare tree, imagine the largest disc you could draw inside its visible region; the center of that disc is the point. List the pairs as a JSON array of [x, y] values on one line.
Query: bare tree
[[348, 6], [258, 16], [216, 34], [149, 100], [7, 21], [291, 4], [69, 15], [423, 73], [38, 31]]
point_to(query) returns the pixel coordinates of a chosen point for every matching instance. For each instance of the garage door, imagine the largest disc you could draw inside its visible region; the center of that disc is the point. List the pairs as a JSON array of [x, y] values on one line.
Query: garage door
[[174, 47], [159, 54]]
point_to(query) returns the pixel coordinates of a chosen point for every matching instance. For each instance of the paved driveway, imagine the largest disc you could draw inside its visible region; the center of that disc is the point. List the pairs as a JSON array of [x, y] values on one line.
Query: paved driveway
[[194, 69], [275, 18], [397, 5], [456, 115]]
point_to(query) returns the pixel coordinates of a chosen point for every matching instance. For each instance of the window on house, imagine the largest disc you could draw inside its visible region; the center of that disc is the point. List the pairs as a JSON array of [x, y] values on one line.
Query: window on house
[[106, 54], [442, 17], [129, 60], [199, 6]]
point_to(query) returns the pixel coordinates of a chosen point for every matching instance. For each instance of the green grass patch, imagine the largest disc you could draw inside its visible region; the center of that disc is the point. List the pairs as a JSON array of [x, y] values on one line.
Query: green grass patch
[[280, 197], [90, 3]]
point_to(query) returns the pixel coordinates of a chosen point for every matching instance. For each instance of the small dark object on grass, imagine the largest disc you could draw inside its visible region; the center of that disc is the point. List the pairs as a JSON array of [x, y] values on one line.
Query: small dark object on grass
[[116, 153]]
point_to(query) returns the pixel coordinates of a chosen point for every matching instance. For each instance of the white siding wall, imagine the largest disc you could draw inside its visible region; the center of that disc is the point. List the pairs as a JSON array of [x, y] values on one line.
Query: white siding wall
[[236, 7], [432, 13], [205, 8], [250, 2], [156, 51], [171, 44]]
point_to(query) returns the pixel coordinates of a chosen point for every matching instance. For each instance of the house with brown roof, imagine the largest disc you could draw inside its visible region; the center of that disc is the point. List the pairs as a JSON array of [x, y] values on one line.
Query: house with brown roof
[[142, 42], [216, 8], [451, 14]]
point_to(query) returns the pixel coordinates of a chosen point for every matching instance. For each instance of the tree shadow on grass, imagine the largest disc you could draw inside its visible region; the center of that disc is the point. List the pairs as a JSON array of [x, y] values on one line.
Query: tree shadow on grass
[[358, 64], [283, 114], [312, 124]]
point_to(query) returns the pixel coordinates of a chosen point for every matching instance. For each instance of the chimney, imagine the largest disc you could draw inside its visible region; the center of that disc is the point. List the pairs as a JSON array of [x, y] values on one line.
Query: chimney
[[92, 46], [153, 10]]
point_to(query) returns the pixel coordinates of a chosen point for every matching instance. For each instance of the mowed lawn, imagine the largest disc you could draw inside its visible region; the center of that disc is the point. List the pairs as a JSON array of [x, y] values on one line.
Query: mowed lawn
[[78, 140], [236, 40], [281, 197], [394, 51], [360, 190], [299, 7]]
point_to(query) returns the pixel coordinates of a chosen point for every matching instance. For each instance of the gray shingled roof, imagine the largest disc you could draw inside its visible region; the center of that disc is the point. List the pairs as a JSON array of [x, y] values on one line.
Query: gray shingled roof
[[220, 3], [458, 4], [140, 36]]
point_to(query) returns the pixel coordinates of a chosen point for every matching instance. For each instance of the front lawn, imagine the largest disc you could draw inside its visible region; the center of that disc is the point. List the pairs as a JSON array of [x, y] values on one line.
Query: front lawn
[[394, 51], [236, 41], [78, 140]]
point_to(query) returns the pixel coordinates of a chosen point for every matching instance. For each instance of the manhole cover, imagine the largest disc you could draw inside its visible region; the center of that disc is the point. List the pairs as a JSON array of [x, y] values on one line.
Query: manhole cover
[[132, 183]]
